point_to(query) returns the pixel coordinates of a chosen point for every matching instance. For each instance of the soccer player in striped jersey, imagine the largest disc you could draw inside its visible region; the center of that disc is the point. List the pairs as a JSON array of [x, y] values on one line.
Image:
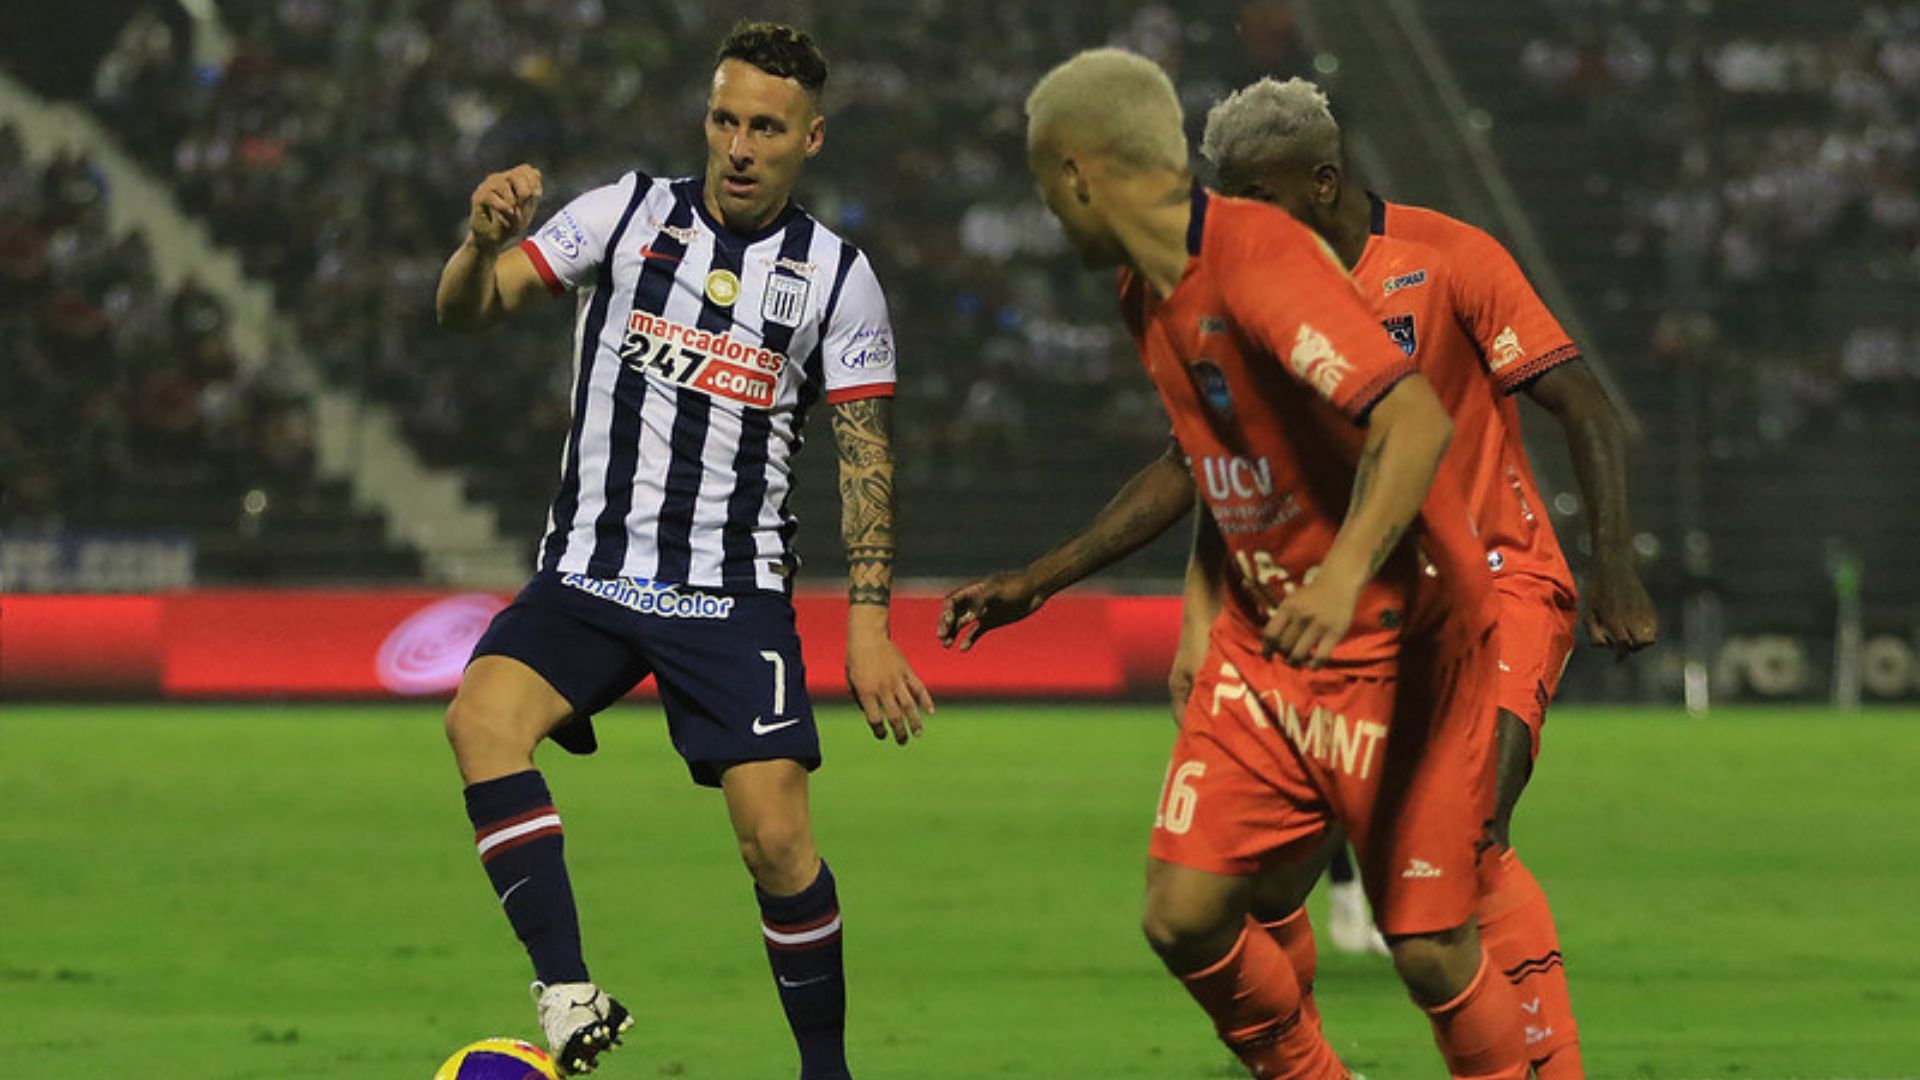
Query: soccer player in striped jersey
[[711, 315]]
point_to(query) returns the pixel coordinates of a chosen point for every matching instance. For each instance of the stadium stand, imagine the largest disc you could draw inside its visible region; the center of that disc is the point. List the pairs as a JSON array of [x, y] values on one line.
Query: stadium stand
[[337, 144], [126, 412], [1746, 254]]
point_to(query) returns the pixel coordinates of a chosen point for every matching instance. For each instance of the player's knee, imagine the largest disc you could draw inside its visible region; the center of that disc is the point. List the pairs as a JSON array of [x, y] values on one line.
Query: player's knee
[[477, 726], [776, 851], [1278, 895], [1186, 933], [1437, 967]]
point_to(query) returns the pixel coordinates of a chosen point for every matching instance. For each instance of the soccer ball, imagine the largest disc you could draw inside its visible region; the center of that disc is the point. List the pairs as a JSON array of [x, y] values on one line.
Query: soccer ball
[[498, 1059]]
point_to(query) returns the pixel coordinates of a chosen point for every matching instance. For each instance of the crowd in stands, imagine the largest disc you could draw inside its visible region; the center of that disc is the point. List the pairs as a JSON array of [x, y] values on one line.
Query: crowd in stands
[[1766, 167], [337, 145], [116, 384]]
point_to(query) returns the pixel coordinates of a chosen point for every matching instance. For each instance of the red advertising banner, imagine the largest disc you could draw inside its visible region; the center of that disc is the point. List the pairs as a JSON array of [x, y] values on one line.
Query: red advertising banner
[[321, 644]]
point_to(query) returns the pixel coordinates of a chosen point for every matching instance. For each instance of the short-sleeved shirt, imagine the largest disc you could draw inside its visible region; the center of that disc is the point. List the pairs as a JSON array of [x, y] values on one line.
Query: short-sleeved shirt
[[698, 352], [1456, 302], [1268, 363]]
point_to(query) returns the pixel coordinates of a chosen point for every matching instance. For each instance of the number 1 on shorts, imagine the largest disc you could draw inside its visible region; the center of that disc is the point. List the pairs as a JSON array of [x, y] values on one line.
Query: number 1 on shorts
[[779, 680]]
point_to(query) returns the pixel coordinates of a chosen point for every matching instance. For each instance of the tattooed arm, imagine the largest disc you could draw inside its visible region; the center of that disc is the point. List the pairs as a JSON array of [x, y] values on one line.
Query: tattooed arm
[[879, 677], [1407, 433], [1147, 506]]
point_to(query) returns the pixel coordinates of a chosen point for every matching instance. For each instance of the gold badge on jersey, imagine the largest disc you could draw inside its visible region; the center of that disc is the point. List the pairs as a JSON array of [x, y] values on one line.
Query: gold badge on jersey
[[723, 287]]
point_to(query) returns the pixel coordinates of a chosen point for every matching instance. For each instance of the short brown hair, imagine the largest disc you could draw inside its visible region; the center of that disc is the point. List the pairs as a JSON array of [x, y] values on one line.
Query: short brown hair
[[778, 50]]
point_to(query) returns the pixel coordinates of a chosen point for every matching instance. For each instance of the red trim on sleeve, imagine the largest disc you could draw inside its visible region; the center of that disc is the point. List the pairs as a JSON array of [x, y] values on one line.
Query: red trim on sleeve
[[539, 261], [859, 393], [1363, 402], [1519, 375]]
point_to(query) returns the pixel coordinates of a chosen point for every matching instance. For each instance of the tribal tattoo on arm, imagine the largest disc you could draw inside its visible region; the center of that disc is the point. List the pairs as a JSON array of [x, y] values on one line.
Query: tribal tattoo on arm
[[863, 431]]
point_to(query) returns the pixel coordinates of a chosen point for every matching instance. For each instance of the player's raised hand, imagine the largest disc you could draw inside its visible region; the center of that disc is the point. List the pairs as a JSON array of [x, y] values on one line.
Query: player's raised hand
[[503, 206], [992, 602], [1311, 621], [1620, 614], [881, 680]]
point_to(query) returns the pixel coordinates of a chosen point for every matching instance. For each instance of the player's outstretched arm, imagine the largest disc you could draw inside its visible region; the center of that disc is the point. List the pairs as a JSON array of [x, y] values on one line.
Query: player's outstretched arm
[[486, 278], [1407, 434], [1199, 606], [1620, 614], [1148, 505], [878, 675]]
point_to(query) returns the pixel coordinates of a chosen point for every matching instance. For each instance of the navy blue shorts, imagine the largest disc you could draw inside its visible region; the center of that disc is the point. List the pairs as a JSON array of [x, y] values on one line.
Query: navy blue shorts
[[728, 666]]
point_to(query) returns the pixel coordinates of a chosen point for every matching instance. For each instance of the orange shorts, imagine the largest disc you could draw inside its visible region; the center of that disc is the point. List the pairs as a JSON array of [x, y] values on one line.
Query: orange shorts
[[1269, 756], [1537, 618]]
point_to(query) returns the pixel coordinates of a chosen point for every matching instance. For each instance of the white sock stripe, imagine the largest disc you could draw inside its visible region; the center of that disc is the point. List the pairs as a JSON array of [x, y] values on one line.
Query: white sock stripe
[[514, 832], [804, 937]]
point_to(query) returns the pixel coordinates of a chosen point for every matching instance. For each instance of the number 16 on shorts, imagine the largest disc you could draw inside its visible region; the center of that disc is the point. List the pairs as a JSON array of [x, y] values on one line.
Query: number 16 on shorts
[[1178, 798]]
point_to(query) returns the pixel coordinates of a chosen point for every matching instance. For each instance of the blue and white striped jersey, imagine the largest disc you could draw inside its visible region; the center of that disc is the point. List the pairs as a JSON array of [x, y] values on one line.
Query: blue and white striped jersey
[[697, 355]]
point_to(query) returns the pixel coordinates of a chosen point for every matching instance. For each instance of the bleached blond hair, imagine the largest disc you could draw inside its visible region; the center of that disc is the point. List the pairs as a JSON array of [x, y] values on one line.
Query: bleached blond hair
[[1115, 103], [1271, 122]]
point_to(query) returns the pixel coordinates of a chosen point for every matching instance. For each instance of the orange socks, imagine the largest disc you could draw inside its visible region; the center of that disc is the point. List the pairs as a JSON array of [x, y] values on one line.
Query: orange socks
[[1254, 1000], [1294, 934], [1517, 931], [1479, 1032]]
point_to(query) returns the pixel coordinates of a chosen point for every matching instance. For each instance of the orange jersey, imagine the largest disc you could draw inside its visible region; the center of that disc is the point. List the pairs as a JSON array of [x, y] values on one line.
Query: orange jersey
[[1455, 301], [1267, 362]]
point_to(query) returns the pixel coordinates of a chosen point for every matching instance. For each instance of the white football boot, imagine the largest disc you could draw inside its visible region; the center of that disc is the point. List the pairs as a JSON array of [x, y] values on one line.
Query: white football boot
[[1350, 923], [581, 1023]]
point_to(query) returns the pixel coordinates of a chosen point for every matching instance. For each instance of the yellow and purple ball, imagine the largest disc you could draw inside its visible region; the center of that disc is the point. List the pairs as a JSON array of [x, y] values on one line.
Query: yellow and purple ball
[[498, 1059]]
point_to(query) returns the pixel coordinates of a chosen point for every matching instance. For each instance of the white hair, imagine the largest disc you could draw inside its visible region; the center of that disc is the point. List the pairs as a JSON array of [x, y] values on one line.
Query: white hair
[[1117, 103], [1271, 121]]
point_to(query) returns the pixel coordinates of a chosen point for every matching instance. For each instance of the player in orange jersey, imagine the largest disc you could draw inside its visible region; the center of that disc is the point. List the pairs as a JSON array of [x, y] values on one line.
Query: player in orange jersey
[[1454, 300], [1348, 679]]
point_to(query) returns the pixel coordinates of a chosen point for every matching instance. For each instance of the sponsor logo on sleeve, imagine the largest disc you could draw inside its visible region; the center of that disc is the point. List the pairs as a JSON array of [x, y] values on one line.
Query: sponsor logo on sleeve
[[870, 350], [1400, 329], [1404, 281], [1315, 361], [564, 234], [1507, 349], [786, 300]]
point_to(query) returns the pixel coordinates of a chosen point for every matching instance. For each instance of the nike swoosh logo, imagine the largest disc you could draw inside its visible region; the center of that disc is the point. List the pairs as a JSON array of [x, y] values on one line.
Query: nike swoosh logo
[[792, 985], [649, 253], [761, 728], [510, 888]]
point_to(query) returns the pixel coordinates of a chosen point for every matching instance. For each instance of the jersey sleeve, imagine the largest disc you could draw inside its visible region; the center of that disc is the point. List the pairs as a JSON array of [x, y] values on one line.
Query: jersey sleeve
[[1288, 295], [857, 352], [1519, 338], [569, 248]]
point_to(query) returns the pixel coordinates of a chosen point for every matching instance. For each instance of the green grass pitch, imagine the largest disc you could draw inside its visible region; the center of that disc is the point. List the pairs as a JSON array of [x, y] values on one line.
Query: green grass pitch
[[291, 892]]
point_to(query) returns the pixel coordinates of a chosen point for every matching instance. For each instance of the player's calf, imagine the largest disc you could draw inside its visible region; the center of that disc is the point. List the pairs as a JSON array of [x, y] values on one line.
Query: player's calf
[[1472, 1009], [1197, 922]]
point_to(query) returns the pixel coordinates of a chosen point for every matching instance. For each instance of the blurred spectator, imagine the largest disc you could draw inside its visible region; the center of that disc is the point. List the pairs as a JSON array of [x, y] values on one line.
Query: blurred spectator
[[116, 387], [1776, 171]]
